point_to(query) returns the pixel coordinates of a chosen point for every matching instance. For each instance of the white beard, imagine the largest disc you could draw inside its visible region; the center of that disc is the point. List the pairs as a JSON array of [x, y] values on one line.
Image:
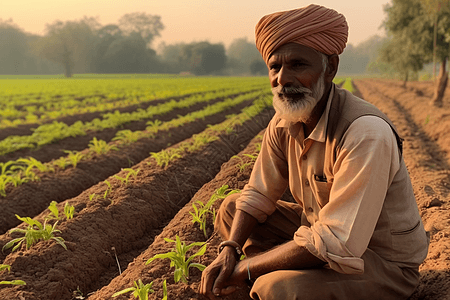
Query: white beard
[[297, 110]]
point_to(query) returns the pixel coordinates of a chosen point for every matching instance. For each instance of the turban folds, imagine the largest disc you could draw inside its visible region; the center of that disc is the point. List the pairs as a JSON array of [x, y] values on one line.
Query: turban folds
[[314, 26]]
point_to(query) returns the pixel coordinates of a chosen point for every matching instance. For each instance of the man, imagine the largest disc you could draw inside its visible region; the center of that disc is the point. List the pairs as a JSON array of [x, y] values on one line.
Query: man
[[355, 231]]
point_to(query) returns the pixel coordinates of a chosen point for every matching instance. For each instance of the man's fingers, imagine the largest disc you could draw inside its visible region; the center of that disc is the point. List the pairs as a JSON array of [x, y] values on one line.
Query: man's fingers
[[228, 290], [222, 278], [207, 282]]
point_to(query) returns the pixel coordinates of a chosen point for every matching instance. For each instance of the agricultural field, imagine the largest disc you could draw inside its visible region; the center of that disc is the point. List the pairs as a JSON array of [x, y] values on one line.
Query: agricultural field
[[106, 177]]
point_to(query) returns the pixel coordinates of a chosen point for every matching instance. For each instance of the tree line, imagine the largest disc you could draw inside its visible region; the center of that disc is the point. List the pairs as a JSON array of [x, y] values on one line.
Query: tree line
[[85, 46]]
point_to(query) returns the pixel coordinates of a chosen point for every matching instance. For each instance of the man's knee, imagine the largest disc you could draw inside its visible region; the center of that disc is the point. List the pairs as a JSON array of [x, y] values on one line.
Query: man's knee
[[225, 215]]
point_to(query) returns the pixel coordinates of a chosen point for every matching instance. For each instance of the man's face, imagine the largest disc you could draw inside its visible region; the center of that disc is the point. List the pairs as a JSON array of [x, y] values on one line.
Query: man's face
[[296, 74]]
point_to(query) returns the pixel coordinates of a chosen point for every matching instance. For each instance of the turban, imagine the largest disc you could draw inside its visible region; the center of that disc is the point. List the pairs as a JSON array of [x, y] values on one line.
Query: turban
[[314, 26]]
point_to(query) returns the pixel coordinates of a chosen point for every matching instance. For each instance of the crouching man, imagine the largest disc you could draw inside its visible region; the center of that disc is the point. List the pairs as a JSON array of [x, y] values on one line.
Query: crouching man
[[355, 231]]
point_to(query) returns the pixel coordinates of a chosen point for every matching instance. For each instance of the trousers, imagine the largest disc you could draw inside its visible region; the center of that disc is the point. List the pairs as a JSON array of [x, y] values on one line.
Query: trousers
[[381, 279]]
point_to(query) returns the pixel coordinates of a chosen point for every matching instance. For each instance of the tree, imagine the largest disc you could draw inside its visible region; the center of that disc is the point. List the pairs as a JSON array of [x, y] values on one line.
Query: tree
[[412, 22], [241, 54], [396, 53], [258, 67], [69, 44], [13, 48], [128, 55], [147, 26], [203, 58]]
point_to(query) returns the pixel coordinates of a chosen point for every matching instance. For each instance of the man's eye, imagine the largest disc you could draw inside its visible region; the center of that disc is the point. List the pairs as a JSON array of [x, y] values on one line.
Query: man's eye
[[274, 67], [298, 64]]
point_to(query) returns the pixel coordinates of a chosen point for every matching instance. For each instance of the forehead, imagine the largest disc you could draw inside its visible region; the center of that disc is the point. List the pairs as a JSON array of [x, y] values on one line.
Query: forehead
[[295, 51]]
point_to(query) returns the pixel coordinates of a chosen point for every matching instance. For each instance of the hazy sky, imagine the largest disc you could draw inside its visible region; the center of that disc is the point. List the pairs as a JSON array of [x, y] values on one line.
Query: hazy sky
[[190, 20]]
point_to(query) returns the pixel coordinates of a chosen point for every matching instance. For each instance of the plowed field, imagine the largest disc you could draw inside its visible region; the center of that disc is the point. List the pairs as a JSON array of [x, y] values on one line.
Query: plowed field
[[111, 237]]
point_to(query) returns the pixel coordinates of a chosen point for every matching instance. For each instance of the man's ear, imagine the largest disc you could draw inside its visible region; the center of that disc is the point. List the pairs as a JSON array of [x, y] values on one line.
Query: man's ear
[[332, 67]]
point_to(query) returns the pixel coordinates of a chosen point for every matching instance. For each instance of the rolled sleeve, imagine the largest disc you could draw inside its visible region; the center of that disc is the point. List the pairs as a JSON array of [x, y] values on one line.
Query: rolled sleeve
[[365, 166]]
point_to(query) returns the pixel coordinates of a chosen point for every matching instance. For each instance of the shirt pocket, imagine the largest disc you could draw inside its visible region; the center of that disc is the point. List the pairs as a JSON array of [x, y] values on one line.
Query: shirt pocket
[[321, 192]]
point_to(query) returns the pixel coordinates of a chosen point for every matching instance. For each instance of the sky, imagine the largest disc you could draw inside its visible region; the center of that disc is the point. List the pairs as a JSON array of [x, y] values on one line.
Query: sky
[[190, 20]]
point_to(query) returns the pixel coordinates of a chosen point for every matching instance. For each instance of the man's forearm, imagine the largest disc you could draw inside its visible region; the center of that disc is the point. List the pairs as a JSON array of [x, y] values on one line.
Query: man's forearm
[[288, 256], [243, 224]]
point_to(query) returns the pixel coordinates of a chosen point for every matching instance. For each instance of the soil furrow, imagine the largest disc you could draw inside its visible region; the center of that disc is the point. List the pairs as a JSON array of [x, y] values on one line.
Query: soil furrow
[[430, 176], [31, 198], [55, 150], [128, 214]]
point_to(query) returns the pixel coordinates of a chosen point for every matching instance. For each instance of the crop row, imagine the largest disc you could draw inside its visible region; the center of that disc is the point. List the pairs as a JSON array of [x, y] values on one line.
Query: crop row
[[55, 131], [93, 165], [29, 113], [47, 95], [24, 170], [146, 268], [125, 214]]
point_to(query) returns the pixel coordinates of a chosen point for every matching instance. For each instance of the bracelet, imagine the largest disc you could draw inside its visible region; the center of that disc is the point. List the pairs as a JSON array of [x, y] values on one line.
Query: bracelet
[[233, 244]]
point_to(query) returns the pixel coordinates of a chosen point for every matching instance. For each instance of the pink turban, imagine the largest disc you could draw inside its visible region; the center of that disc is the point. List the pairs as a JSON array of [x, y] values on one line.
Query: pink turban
[[314, 26]]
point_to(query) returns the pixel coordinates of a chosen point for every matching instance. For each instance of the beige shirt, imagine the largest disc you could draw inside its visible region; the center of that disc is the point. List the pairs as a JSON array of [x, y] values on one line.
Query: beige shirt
[[365, 166]]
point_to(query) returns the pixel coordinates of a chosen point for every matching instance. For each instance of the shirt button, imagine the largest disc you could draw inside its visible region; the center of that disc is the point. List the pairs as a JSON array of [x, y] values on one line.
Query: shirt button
[[307, 182], [304, 157], [310, 209]]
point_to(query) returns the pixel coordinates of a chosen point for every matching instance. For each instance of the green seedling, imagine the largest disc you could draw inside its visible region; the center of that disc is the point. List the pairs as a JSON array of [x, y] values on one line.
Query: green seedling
[[243, 164], [100, 146], [5, 267], [125, 179], [202, 211], [61, 162], [34, 163], [93, 196], [33, 233], [14, 282], [178, 258], [4, 167], [69, 210], [54, 213], [108, 190], [3, 182], [164, 290], [127, 136], [74, 157], [163, 157], [139, 290], [153, 126]]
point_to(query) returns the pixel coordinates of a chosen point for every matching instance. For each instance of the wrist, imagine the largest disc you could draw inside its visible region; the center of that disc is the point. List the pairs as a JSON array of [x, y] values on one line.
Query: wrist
[[234, 246]]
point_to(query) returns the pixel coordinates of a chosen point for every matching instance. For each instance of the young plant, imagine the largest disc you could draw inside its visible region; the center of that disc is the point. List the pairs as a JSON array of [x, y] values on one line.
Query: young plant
[[201, 212], [163, 157], [127, 136], [74, 157], [139, 290], [5, 267], [164, 290], [54, 213], [100, 146], [108, 190], [33, 233], [125, 179], [14, 282], [178, 258], [61, 162], [93, 196]]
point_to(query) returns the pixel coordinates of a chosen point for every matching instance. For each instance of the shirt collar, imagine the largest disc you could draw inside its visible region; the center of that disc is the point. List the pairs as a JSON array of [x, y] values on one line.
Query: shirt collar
[[319, 132]]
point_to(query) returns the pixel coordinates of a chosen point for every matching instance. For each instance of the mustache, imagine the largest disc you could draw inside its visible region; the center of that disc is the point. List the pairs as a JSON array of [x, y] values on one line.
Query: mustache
[[282, 90]]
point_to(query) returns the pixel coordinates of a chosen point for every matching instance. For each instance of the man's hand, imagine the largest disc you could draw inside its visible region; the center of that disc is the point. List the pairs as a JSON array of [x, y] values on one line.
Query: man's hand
[[222, 276]]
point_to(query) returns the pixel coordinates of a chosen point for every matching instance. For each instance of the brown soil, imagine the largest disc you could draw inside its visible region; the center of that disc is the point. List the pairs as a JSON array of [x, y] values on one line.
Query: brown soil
[[31, 198], [134, 219]]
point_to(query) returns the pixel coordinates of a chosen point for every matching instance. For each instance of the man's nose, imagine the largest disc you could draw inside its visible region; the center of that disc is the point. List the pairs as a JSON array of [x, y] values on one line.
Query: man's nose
[[285, 77]]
